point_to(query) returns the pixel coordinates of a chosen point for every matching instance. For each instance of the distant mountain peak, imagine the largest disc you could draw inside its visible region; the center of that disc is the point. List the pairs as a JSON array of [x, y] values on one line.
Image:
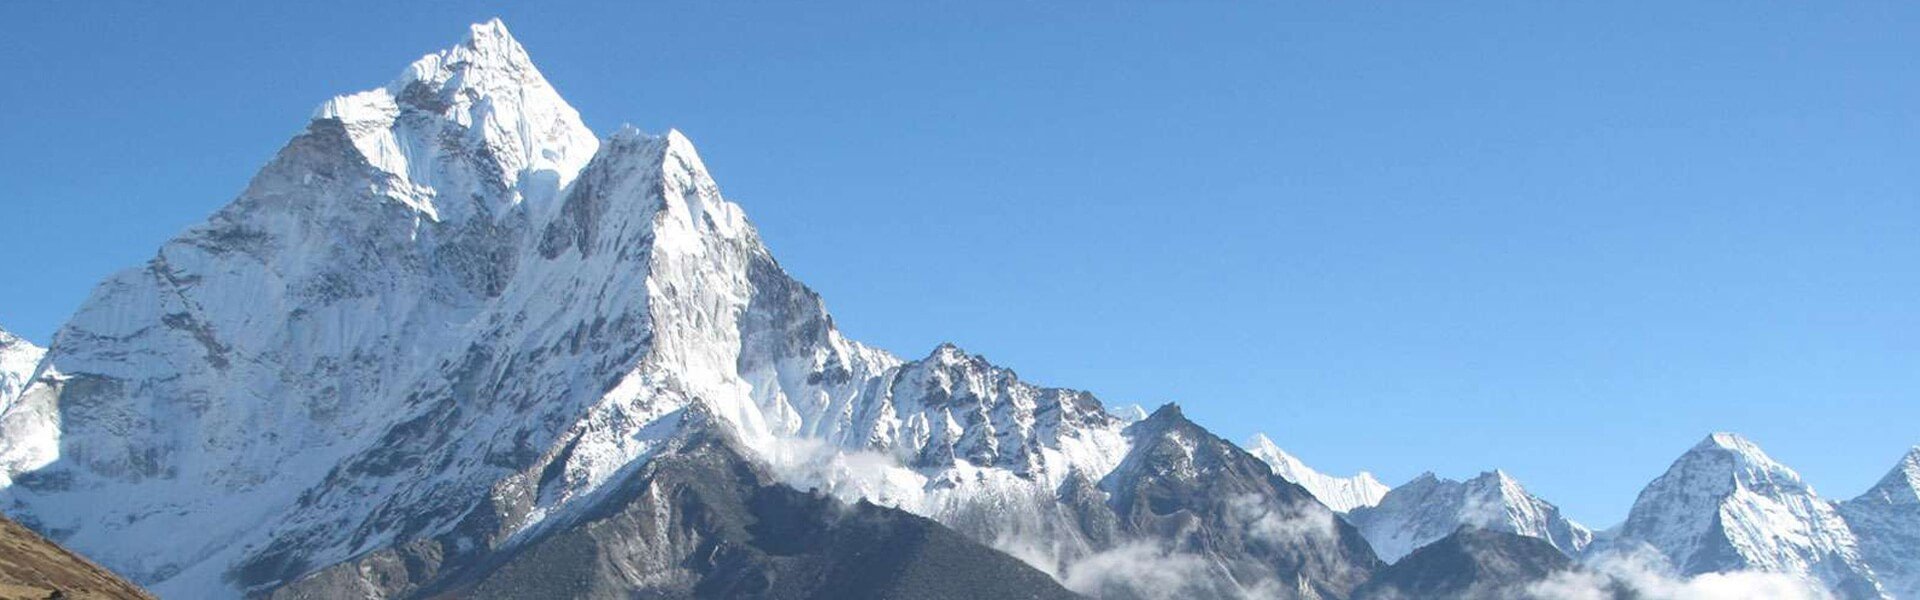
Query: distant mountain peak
[[1500, 482], [1169, 412], [1886, 519], [1131, 413], [18, 359], [949, 353], [1342, 494], [1902, 484], [1738, 461], [1732, 442], [1725, 505], [1429, 508]]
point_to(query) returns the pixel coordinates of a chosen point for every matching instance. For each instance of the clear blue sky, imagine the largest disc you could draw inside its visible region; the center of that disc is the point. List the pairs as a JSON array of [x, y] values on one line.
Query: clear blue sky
[[1561, 239]]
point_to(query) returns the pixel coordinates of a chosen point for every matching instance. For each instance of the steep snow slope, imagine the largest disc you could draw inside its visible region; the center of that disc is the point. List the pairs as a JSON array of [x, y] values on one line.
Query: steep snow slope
[[1726, 506], [18, 359], [25, 431], [1429, 508], [1886, 519], [1342, 494]]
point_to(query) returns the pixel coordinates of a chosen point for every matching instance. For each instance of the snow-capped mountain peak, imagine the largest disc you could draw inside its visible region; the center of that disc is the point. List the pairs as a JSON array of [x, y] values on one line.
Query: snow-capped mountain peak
[[1725, 505], [1886, 520], [475, 123], [18, 359], [1901, 486], [24, 428], [1341, 494], [1429, 508], [1745, 465]]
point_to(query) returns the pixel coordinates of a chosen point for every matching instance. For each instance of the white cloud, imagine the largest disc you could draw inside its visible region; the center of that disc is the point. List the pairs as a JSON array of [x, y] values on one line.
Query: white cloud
[[1643, 576], [1265, 522], [1139, 570]]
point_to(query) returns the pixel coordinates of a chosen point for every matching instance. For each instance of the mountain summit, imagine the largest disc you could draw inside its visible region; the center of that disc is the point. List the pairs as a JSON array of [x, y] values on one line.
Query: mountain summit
[[18, 359], [1886, 519], [482, 99], [1725, 505], [1429, 508], [1339, 493]]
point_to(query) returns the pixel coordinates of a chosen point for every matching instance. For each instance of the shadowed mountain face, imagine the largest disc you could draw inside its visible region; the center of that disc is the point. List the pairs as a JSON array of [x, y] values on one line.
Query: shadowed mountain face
[[704, 521], [1472, 563], [1200, 495], [31, 567]]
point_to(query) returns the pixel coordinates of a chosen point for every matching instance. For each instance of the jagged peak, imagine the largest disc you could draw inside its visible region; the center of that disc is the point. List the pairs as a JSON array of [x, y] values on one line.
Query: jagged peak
[[1339, 493], [487, 89], [14, 348], [1261, 441], [1497, 480], [488, 45], [673, 149], [489, 59], [1738, 448], [1496, 477], [628, 140], [680, 148], [948, 353], [7, 338], [1424, 478], [1167, 418], [1901, 485], [1733, 442], [1168, 411], [1731, 462]]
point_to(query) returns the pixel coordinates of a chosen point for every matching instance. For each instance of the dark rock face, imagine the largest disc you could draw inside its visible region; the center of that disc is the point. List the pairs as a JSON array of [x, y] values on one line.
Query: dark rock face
[[1197, 494], [1473, 564], [701, 520], [33, 567]]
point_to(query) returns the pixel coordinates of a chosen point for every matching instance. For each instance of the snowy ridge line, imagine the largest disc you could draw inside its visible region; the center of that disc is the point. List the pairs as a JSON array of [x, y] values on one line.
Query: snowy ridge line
[[1342, 494]]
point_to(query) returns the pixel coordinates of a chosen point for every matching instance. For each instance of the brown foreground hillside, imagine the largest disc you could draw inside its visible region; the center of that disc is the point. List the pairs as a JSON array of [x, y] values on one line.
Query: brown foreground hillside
[[31, 567]]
